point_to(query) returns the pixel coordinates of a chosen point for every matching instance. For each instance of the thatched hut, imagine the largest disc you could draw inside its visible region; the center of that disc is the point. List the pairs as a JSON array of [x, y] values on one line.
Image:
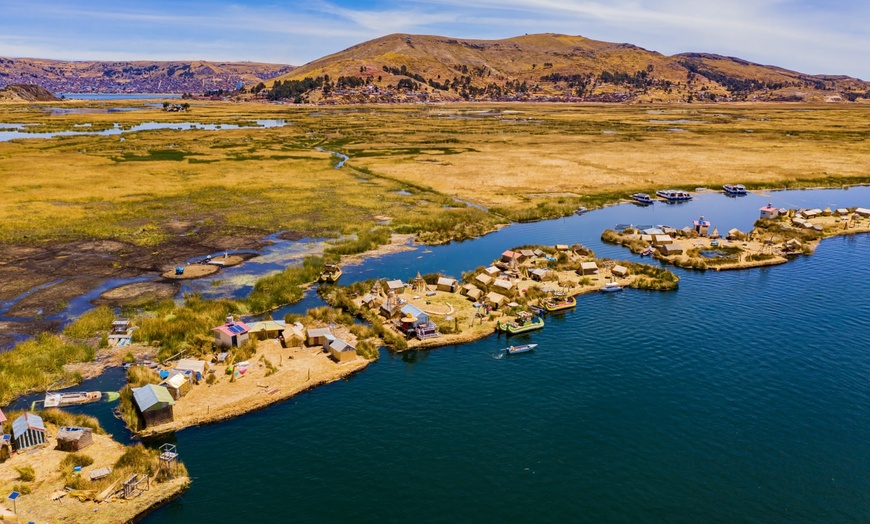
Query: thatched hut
[[71, 438], [671, 249], [587, 268], [447, 284], [620, 271]]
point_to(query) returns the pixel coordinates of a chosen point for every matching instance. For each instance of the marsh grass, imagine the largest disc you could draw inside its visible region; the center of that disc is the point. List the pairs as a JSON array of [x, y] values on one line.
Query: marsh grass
[[91, 323], [61, 418], [37, 365]]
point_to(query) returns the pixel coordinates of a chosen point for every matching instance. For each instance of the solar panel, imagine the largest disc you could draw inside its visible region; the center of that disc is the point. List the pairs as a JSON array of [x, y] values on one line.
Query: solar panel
[[237, 329]]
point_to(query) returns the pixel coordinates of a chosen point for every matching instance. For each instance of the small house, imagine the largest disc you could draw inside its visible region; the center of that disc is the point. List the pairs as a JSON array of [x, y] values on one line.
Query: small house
[[842, 211], [294, 335], [735, 234], [319, 337], [561, 247], [702, 226], [510, 256], [178, 384], [864, 212], [539, 253], [266, 329], [396, 286], [526, 254], [495, 300], [231, 333], [471, 291], [671, 249], [28, 431], [653, 231], [154, 404], [341, 351], [447, 284], [369, 301], [503, 284], [588, 268], [662, 240], [194, 367], [620, 271], [484, 279], [410, 311], [71, 438], [769, 212], [492, 271], [540, 274]]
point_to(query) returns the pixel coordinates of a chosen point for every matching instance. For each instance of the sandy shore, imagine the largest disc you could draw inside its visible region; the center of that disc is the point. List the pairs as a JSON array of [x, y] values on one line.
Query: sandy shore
[[38, 506], [201, 270], [298, 370]]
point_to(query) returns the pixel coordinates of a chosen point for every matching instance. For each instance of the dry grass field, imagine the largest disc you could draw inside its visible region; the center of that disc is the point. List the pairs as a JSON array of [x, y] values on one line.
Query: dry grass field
[[525, 161]]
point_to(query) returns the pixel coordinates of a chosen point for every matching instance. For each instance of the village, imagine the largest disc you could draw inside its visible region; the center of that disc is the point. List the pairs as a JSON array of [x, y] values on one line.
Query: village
[[779, 235]]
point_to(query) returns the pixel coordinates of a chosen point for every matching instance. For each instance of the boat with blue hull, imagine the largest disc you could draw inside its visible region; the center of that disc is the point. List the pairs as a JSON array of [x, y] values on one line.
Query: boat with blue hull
[[642, 199], [674, 195], [734, 189]]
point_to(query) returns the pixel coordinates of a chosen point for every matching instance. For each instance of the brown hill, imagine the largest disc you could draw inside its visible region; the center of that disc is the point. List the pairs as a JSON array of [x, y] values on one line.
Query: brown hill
[[61, 76], [26, 93], [546, 66]]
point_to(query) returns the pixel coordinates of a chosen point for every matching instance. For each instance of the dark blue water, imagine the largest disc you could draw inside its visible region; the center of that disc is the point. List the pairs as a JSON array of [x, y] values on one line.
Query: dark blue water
[[742, 397]]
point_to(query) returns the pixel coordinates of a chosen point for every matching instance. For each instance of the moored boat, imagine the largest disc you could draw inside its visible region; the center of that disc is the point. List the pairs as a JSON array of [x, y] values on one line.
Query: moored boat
[[559, 303], [734, 189], [53, 400], [330, 274], [642, 198], [513, 350], [674, 195], [581, 210], [522, 324], [611, 287], [646, 252]]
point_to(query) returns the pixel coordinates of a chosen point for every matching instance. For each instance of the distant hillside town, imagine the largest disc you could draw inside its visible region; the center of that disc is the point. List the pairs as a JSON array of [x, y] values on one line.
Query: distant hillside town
[[135, 77]]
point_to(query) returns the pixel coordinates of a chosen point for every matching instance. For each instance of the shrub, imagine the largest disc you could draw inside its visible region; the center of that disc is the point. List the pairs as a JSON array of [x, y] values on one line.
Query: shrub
[[26, 473], [59, 417], [91, 323]]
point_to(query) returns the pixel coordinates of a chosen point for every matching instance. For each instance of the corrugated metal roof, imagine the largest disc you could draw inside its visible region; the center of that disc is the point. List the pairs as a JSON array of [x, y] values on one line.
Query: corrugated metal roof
[[340, 346], [443, 281], [176, 381], [2, 416], [25, 422], [191, 364], [319, 332], [150, 397], [410, 309], [395, 284]]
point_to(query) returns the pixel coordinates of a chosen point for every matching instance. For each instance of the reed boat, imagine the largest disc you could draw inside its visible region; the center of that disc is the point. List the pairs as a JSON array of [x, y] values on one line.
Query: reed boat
[[611, 287], [521, 324], [53, 400], [330, 274], [559, 303]]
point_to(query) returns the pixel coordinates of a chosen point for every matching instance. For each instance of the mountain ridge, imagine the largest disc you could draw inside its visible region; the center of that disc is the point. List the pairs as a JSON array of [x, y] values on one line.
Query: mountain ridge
[[552, 66]]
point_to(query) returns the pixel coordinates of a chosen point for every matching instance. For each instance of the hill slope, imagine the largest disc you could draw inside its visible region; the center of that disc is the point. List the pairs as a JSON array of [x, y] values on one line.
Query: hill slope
[[26, 93], [61, 76], [548, 66]]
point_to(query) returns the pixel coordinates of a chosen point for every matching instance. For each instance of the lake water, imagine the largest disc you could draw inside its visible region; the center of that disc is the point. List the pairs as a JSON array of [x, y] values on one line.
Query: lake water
[[14, 131], [741, 397], [119, 96]]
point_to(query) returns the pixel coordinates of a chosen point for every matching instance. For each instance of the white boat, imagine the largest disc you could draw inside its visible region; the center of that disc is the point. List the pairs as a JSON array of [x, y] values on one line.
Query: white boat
[[611, 287], [581, 210], [53, 400], [674, 195], [734, 189], [513, 350], [642, 198]]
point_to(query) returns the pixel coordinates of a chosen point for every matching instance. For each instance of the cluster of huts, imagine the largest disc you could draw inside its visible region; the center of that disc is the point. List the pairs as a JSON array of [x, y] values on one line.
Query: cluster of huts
[[29, 431]]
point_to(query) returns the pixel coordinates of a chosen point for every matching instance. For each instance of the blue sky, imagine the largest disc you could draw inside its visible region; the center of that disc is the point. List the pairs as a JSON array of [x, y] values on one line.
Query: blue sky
[[811, 36]]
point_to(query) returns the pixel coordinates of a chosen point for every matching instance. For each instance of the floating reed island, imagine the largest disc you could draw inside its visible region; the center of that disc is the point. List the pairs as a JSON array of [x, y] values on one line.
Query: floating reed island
[[66, 469], [778, 236], [206, 266], [436, 310]]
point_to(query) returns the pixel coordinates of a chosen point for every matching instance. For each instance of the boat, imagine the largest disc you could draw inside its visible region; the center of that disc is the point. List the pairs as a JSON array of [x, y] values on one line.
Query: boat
[[53, 400], [330, 274], [559, 303], [734, 189], [674, 195], [642, 198], [611, 287], [524, 323], [581, 210], [513, 350], [646, 252]]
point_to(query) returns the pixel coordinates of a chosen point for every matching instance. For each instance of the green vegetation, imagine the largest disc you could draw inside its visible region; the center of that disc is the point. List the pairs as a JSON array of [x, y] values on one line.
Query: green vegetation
[[60, 418], [26, 473], [285, 287], [37, 365], [90, 324]]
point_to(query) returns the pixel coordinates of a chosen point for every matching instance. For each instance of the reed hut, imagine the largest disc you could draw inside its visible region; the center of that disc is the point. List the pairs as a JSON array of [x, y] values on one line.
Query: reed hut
[[471, 291], [588, 268], [396, 286], [266, 329], [503, 284], [178, 384], [671, 249], [492, 271], [154, 405], [495, 300], [447, 284], [620, 271], [72, 438], [662, 240], [28, 431], [341, 351], [540, 274], [510, 256], [294, 335], [735, 234], [484, 279]]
